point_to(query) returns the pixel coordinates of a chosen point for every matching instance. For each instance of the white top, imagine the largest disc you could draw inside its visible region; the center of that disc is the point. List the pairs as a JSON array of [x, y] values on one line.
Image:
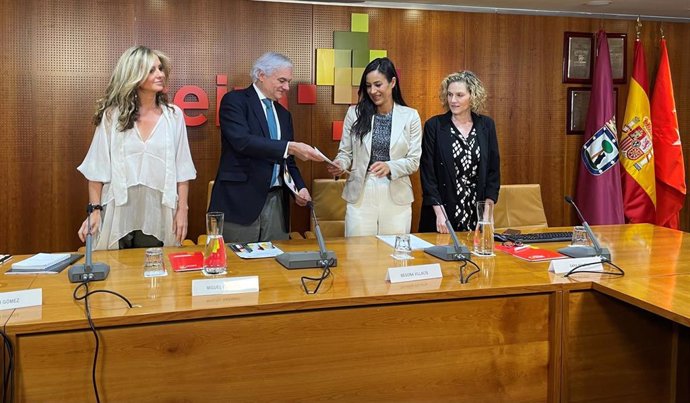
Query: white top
[[139, 177]]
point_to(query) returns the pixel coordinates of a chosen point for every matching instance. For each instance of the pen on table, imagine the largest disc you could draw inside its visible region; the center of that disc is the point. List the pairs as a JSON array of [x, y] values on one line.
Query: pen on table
[[5, 258]]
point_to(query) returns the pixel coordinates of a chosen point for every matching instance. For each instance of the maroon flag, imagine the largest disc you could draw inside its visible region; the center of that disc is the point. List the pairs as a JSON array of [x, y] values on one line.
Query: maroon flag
[[598, 191]]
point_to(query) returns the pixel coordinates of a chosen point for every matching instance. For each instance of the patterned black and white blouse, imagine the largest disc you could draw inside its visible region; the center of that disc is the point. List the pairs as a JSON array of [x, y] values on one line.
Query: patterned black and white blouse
[[466, 161], [381, 138]]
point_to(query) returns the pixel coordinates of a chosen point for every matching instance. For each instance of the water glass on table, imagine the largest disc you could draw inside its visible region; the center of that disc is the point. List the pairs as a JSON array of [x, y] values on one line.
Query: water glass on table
[[153, 263], [402, 247], [580, 237]]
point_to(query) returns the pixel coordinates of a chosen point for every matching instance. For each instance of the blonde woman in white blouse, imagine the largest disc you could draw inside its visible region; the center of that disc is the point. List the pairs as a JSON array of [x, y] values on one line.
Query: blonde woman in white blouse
[[139, 164]]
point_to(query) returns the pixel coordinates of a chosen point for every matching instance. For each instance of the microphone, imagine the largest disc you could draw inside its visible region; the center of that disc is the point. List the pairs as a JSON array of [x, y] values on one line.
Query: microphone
[[585, 251], [307, 260], [456, 251], [88, 271]]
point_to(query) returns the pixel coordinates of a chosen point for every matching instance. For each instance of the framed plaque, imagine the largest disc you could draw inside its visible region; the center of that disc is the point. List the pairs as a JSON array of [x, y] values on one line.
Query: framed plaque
[[618, 52], [578, 104], [578, 61]]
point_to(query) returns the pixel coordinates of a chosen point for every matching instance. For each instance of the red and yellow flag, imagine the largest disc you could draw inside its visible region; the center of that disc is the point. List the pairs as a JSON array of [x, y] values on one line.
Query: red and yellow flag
[[670, 171], [637, 153]]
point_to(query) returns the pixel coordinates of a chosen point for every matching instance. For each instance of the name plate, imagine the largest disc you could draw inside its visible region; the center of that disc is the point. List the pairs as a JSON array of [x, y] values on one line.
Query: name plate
[[21, 299], [414, 273], [226, 285], [562, 266]]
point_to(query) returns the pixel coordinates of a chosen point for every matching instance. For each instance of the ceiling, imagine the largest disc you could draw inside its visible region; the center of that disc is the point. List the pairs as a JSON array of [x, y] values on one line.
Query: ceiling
[[666, 10]]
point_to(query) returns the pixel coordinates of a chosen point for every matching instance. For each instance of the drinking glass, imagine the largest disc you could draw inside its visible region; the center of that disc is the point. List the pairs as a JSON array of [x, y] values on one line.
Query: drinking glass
[[484, 232], [153, 263], [215, 259], [402, 247], [580, 237]]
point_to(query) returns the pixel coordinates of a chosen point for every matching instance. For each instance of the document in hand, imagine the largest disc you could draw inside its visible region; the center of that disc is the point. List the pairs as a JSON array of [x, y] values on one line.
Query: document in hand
[[326, 159], [40, 261]]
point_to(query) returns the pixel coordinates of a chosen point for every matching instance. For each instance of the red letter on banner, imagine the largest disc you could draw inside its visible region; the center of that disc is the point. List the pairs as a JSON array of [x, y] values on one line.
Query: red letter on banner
[[200, 104]]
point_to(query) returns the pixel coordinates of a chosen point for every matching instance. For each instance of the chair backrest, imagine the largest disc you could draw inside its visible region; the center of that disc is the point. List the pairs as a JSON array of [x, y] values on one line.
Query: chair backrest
[[329, 206], [520, 207]]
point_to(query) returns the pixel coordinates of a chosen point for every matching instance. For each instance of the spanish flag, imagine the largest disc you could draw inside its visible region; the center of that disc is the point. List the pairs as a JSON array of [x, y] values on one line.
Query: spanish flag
[[670, 170], [636, 150]]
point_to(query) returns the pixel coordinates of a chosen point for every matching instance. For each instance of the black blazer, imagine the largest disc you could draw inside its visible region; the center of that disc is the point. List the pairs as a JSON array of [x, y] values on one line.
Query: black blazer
[[437, 169], [247, 157]]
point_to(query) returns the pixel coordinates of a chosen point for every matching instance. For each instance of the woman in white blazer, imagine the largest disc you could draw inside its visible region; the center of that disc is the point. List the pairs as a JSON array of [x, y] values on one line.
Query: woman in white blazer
[[381, 147]]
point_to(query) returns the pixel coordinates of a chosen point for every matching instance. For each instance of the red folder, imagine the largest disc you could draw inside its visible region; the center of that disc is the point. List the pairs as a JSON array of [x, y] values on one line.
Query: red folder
[[186, 261], [530, 253]]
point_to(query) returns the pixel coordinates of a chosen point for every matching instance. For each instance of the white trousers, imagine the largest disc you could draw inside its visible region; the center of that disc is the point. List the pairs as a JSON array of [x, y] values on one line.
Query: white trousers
[[375, 213]]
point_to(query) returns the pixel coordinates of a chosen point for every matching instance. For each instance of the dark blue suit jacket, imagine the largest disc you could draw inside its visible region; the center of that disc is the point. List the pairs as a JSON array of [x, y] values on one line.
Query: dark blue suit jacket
[[247, 157]]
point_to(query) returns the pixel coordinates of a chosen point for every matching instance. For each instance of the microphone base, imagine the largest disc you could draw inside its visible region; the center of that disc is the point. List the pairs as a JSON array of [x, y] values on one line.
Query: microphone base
[[584, 251], [305, 260], [79, 273], [448, 252]]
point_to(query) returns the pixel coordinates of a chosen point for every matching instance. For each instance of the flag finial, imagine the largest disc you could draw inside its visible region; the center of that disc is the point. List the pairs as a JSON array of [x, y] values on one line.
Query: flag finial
[[638, 28]]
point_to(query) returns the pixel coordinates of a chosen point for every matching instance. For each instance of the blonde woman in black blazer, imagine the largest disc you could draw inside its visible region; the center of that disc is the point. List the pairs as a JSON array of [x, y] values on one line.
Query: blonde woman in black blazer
[[460, 164]]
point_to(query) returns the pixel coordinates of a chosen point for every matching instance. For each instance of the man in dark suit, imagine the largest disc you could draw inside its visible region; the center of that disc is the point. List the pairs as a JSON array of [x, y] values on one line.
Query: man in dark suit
[[257, 146]]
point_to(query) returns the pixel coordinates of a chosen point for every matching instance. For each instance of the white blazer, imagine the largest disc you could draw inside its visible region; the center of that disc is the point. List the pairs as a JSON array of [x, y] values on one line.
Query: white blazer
[[405, 151]]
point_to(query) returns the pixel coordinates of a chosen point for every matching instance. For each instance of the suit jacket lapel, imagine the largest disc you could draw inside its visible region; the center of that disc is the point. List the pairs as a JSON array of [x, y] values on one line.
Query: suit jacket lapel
[[397, 125], [255, 105], [444, 140]]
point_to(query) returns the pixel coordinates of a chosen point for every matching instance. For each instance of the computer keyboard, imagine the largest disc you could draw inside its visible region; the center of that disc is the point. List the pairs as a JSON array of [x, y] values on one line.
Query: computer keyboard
[[535, 237]]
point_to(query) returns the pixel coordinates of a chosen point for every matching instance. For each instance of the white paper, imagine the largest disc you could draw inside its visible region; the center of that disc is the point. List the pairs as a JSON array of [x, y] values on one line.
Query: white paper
[[562, 266], [414, 273], [328, 160], [259, 250], [287, 179], [40, 261], [226, 285], [21, 299], [416, 243]]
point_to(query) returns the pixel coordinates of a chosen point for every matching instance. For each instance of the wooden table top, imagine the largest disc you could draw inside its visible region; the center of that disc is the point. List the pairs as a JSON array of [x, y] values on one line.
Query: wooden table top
[[358, 280]]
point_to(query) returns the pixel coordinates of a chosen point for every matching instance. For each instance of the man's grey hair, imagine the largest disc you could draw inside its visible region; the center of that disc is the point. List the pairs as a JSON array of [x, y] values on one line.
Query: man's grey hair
[[268, 63]]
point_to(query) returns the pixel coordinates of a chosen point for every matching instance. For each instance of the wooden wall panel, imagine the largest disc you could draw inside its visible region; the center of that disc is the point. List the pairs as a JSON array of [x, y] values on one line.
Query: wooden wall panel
[[615, 352], [59, 55], [489, 349]]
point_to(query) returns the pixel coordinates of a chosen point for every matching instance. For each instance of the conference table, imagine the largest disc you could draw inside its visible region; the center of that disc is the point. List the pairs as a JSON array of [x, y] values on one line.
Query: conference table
[[514, 333]]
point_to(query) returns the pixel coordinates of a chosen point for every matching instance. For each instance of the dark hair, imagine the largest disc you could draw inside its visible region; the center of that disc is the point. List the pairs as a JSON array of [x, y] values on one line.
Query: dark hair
[[365, 107]]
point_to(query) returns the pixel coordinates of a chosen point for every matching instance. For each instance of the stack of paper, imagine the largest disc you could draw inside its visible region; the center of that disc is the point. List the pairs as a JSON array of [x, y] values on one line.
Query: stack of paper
[[40, 261]]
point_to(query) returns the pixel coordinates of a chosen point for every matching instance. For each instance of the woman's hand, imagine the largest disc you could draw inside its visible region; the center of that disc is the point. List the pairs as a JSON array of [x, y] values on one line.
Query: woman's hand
[[380, 169], [335, 171], [180, 224], [441, 224], [95, 225]]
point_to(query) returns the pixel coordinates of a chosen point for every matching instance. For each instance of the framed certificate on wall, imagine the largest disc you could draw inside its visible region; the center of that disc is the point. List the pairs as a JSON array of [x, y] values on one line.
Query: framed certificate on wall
[[618, 52], [578, 61]]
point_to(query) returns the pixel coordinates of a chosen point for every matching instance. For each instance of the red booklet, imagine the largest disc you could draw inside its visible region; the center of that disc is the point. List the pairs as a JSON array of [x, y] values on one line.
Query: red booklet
[[530, 253], [186, 261]]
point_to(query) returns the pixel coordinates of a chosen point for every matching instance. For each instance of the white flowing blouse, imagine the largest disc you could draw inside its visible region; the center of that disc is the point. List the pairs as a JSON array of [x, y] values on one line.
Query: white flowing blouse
[[139, 177]]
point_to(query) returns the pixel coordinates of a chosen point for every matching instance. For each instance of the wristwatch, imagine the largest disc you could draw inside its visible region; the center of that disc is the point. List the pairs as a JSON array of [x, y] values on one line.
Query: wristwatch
[[93, 207]]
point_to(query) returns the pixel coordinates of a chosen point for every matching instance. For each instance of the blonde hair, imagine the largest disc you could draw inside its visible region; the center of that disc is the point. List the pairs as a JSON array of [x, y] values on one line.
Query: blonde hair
[[130, 72], [474, 86]]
